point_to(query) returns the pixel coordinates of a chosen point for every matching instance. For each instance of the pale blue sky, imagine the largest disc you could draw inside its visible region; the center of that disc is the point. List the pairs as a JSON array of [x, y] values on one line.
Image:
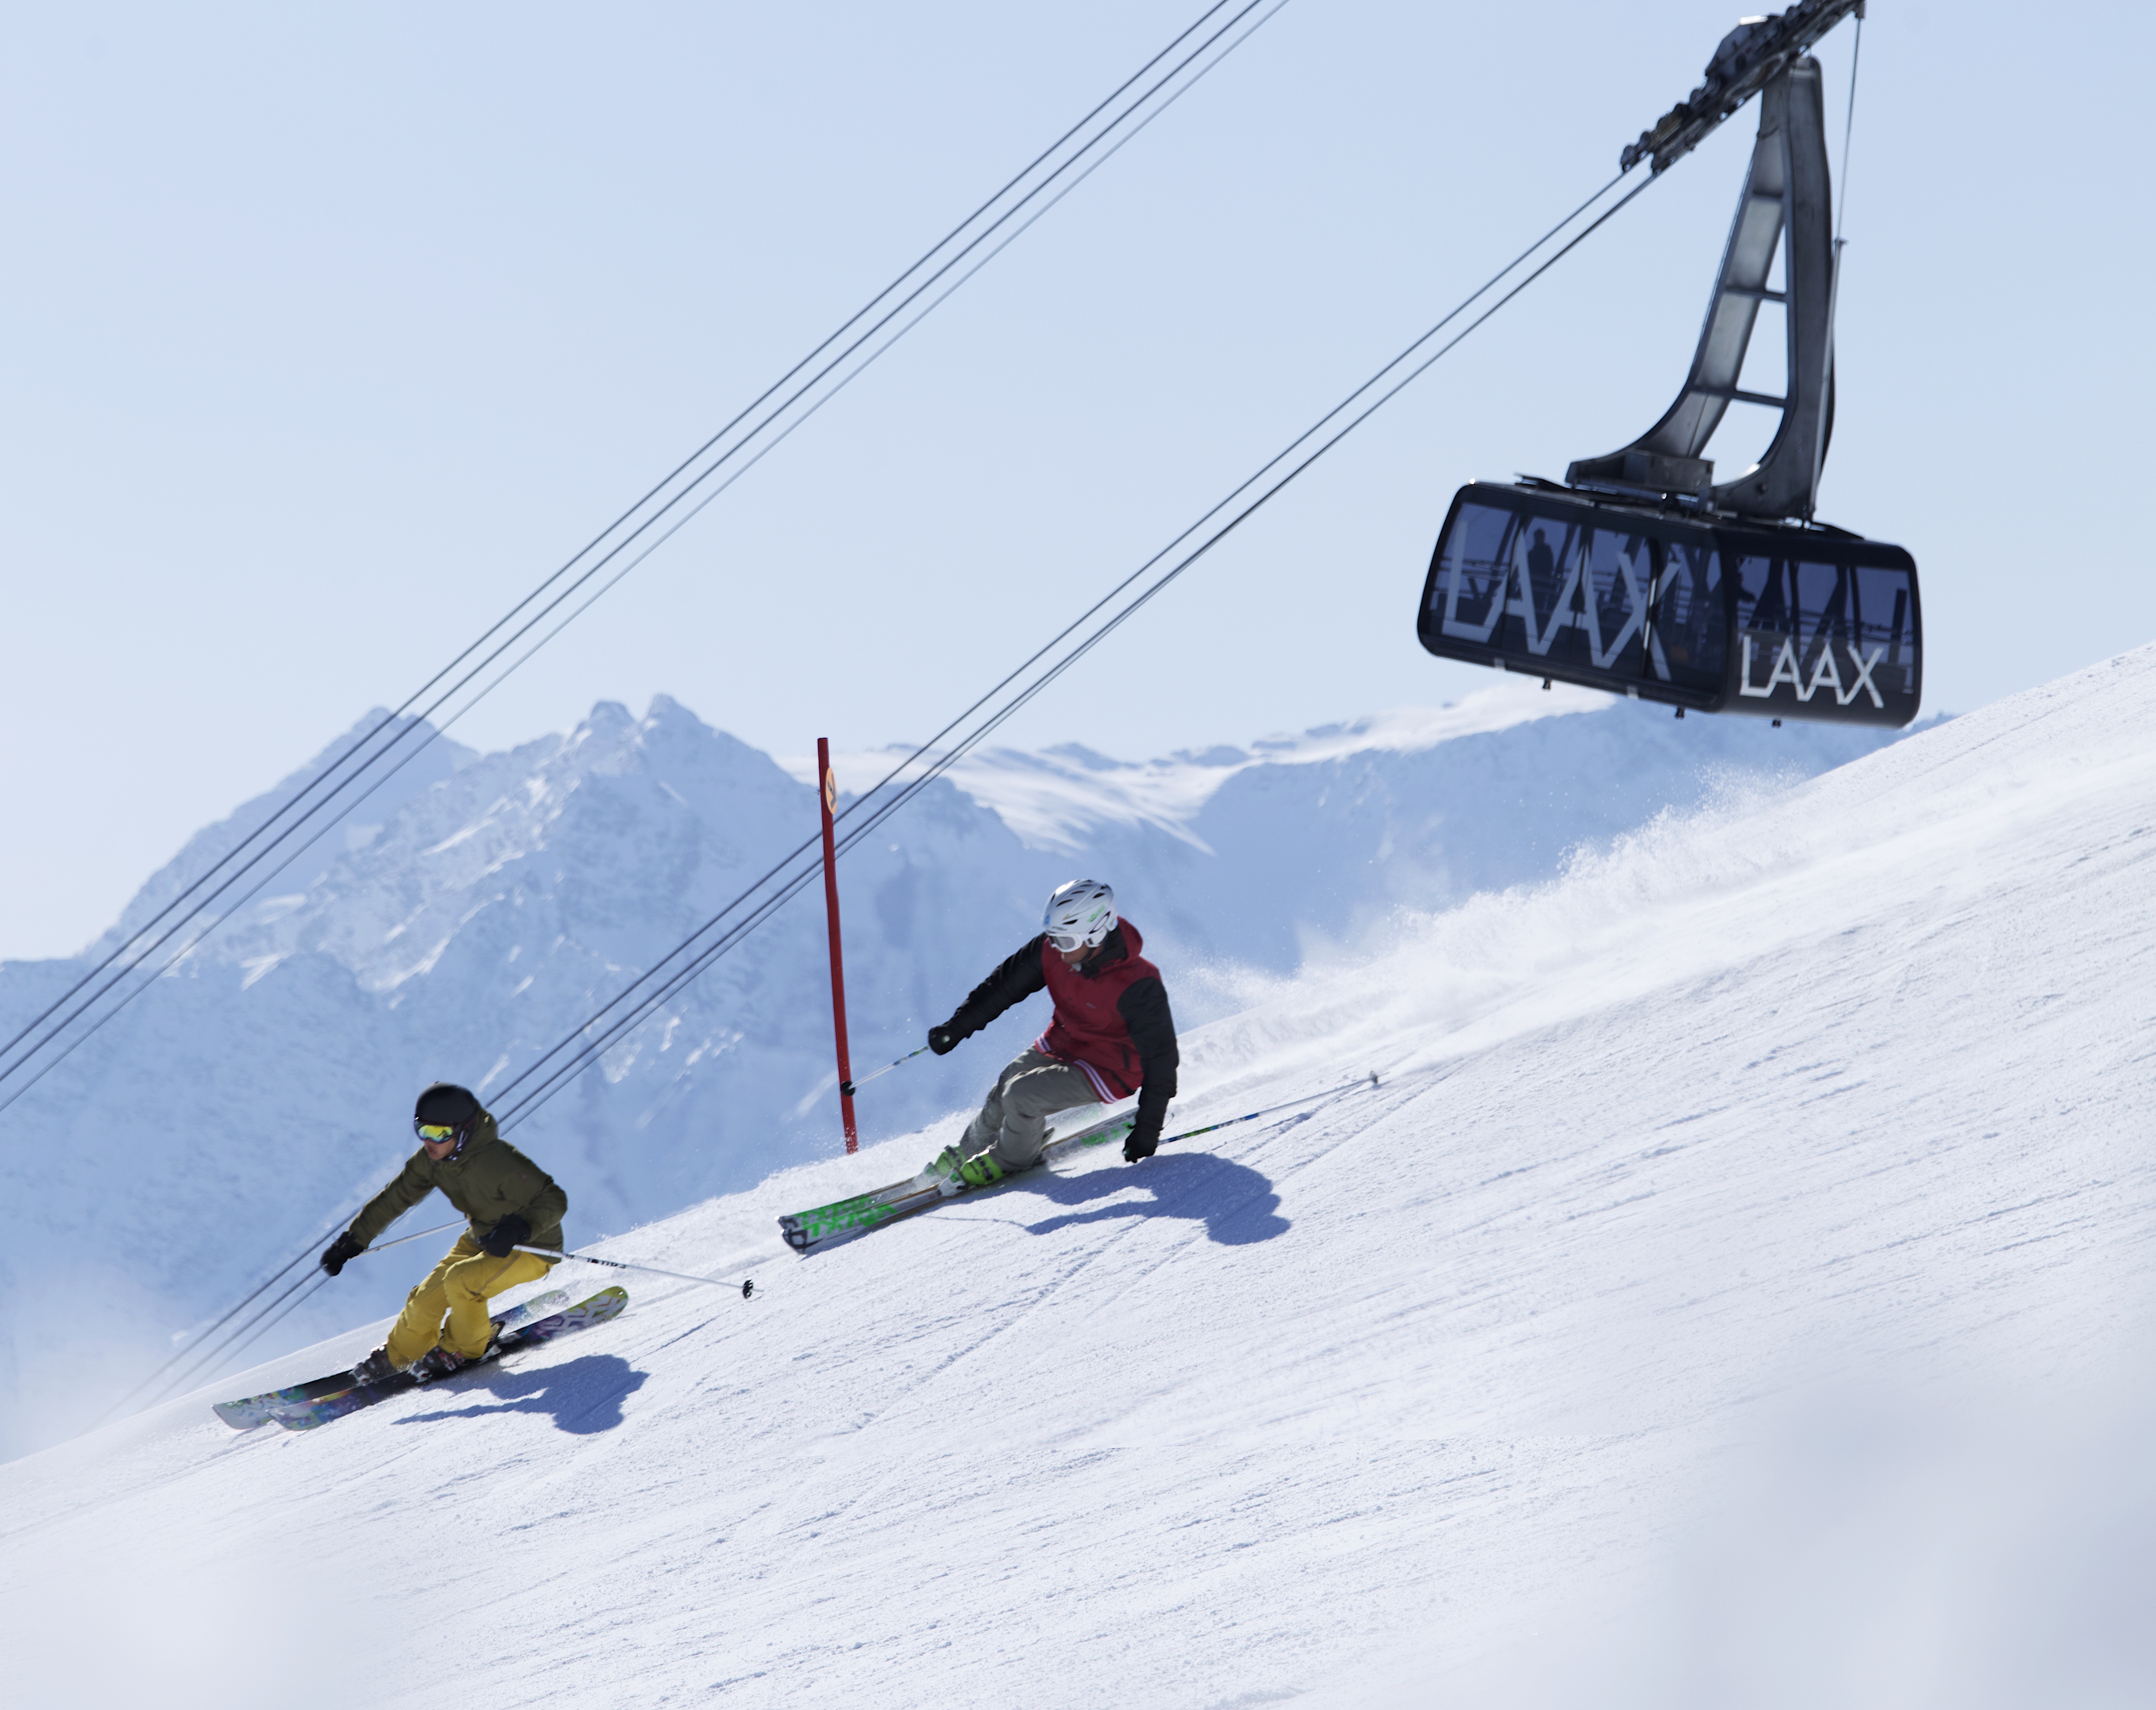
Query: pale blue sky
[[328, 333]]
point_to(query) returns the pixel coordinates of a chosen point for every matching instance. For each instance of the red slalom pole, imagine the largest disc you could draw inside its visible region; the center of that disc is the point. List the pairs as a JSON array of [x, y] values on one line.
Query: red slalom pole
[[827, 792]]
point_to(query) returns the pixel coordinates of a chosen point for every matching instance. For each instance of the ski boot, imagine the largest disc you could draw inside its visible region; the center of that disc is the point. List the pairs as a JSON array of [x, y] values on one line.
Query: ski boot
[[980, 1171], [374, 1367], [440, 1361], [939, 1168], [437, 1362]]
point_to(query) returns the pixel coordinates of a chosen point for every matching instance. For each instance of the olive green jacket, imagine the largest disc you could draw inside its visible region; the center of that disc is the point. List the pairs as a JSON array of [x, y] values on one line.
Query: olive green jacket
[[489, 1180]]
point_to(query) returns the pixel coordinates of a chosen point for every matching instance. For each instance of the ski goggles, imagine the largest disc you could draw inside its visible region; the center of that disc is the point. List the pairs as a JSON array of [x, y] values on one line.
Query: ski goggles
[[1078, 938], [433, 1132]]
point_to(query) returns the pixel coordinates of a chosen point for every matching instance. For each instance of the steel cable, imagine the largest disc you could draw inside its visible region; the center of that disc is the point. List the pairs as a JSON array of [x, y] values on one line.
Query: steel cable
[[230, 1354], [211, 1359], [861, 801], [1849, 130], [199, 1358], [591, 1050], [620, 546]]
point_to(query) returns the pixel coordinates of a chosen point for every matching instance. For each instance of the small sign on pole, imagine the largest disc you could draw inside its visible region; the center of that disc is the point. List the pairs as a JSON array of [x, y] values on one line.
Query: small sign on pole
[[827, 793]]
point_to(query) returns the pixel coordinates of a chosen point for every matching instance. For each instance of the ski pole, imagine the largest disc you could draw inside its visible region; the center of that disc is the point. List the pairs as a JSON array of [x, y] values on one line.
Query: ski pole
[[401, 1240], [1370, 1080], [748, 1288], [850, 1087]]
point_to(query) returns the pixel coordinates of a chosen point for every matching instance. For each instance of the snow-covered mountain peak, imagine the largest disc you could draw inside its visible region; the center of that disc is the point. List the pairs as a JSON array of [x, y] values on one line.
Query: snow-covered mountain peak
[[1063, 797], [313, 847]]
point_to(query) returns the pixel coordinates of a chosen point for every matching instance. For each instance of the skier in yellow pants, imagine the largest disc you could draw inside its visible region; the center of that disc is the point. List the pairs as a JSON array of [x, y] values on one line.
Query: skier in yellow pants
[[511, 1201], [461, 1284]]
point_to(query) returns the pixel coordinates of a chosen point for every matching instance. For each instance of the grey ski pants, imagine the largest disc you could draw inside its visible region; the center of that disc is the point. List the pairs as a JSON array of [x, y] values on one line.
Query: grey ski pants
[[1013, 1117]]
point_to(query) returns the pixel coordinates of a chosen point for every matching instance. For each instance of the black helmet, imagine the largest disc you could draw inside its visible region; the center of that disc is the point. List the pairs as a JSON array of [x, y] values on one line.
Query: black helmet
[[445, 1106]]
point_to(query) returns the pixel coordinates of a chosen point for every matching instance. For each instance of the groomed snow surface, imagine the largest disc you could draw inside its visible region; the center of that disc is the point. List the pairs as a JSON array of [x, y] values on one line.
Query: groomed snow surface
[[1736, 1292]]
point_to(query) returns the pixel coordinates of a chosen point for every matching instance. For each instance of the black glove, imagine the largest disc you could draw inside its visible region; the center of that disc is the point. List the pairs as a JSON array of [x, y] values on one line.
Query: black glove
[[502, 1239], [343, 1248], [944, 1039], [1144, 1140]]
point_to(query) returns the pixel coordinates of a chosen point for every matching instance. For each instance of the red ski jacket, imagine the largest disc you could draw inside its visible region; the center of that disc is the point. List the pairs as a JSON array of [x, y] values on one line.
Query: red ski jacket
[[1111, 1018]]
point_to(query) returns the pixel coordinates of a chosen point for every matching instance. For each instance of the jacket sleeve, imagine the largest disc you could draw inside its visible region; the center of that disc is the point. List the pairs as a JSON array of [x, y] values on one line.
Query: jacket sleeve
[[410, 1185], [1016, 978], [1143, 1006]]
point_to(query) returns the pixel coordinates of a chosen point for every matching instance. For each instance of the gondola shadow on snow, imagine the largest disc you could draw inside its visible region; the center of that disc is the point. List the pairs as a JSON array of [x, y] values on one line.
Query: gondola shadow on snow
[[1236, 1204], [584, 1396]]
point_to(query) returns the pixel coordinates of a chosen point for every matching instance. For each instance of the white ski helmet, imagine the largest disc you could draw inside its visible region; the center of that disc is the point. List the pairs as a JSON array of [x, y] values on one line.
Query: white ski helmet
[[1082, 912]]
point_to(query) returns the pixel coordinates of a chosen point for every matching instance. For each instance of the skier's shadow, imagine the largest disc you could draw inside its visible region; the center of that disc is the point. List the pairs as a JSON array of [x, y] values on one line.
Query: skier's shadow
[[1237, 1204], [584, 1395]]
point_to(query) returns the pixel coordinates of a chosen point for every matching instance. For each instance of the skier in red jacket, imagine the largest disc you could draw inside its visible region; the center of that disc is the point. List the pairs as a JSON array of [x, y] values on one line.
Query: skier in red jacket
[[1112, 1035]]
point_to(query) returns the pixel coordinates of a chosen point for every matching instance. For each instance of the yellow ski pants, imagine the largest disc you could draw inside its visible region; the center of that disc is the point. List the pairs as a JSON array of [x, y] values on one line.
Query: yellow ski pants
[[460, 1286]]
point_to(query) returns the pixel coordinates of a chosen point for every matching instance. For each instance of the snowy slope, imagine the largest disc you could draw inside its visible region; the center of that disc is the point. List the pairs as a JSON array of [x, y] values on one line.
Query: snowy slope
[[1848, 1081], [480, 907]]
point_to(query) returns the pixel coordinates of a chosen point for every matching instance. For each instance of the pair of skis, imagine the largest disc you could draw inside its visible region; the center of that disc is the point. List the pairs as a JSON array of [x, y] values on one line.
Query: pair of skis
[[304, 1406], [827, 1225], [823, 1226]]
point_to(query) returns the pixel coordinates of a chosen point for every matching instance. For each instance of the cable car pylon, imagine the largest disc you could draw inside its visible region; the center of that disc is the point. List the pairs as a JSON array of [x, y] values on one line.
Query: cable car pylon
[[1642, 574]]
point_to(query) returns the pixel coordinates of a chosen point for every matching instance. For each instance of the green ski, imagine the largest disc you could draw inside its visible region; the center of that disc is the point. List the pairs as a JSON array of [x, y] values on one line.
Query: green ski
[[842, 1219], [827, 1225]]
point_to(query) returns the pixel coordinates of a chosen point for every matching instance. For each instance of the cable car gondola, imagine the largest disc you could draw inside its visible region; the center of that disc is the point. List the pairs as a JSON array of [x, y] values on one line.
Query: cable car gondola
[[1640, 574]]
